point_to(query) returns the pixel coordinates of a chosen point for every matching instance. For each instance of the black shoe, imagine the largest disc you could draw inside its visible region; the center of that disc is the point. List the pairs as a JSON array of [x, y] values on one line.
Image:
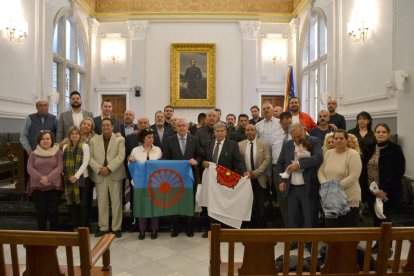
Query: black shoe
[[190, 234], [100, 233], [141, 235], [118, 233], [205, 235], [174, 234], [308, 246], [154, 235]]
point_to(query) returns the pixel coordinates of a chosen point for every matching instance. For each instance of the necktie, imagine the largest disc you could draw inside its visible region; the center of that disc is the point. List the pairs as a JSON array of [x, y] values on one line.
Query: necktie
[[182, 145], [215, 153], [251, 156], [286, 136]]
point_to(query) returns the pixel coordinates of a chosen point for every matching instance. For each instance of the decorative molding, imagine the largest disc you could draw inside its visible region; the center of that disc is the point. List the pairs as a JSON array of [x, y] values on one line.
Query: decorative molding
[[120, 80], [93, 25], [12, 115], [270, 91], [137, 29], [389, 93], [19, 100], [294, 27], [191, 6], [375, 114], [249, 29]]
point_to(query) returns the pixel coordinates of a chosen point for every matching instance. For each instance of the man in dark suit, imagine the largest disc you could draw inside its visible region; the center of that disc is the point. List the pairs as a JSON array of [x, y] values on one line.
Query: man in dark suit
[[204, 134], [128, 126], [240, 135], [301, 188], [106, 108], [182, 146], [223, 152]]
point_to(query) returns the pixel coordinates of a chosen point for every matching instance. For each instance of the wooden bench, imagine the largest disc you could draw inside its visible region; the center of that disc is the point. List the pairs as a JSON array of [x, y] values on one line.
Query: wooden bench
[[341, 256], [41, 255]]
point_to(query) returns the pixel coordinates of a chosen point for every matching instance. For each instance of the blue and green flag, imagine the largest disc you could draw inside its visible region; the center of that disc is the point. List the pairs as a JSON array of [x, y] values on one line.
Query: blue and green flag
[[162, 188]]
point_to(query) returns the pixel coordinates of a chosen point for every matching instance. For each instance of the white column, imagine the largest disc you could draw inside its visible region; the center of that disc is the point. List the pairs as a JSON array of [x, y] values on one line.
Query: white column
[[294, 48], [249, 30], [136, 63], [93, 25]]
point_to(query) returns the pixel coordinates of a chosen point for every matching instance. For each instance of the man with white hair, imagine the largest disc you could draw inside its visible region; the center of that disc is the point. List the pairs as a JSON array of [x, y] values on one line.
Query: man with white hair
[[182, 146]]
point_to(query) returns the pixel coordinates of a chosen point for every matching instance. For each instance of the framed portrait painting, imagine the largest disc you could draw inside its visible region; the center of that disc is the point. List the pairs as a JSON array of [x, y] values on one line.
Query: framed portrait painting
[[193, 75]]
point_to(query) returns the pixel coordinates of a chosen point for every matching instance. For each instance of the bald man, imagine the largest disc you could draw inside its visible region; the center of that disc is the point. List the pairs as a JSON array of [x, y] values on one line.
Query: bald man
[[34, 123], [337, 121]]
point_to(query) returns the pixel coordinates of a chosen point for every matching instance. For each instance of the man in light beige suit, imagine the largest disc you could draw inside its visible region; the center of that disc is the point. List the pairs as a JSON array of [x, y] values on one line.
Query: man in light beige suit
[[108, 171], [256, 155]]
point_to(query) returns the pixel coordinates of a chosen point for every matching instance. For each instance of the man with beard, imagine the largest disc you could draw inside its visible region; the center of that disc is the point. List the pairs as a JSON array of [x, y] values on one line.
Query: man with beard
[[159, 126], [255, 111], [71, 117], [323, 128], [230, 121], [239, 135], [337, 121], [128, 127], [168, 113], [300, 117]]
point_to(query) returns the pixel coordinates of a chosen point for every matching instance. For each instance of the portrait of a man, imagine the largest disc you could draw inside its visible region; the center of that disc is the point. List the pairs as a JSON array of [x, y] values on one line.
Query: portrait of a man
[[193, 81]]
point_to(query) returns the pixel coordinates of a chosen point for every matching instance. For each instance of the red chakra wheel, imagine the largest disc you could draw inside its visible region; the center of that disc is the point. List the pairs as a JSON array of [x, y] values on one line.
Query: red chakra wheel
[[227, 177], [165, 187]]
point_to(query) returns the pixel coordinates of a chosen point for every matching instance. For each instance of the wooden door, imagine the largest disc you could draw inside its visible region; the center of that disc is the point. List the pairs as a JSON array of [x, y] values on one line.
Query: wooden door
[[118, 105], [274, 100]]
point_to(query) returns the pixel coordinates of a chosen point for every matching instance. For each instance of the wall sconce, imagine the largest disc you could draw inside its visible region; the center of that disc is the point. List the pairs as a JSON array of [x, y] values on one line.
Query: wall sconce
[[12, 23], [113, 48], [363, 19], [357, 31], [274, 48]]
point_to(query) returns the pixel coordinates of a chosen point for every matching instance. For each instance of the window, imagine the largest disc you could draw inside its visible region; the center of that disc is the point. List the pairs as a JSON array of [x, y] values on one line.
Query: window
[[314, 67], [69, 68]]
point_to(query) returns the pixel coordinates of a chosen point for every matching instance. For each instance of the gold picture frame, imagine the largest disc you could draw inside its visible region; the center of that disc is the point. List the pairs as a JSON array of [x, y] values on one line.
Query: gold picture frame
[[193, 75]]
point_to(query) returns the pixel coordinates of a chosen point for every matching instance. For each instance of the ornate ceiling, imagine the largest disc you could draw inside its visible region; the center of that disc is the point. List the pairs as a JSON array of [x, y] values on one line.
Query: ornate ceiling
[[121, 10]]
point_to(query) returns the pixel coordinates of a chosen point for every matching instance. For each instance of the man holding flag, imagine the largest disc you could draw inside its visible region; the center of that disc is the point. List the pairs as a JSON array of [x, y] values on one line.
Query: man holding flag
[[223, 152], [182, 146]]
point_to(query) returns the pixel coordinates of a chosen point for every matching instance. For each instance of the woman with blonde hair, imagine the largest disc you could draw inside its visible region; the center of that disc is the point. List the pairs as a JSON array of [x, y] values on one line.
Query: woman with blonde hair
[[328, 143], [353, 143], [86, 129], [76, 157]]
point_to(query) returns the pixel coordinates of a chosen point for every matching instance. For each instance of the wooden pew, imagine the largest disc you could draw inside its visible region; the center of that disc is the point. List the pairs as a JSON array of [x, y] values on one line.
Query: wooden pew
[[341, 256], [41, 256]]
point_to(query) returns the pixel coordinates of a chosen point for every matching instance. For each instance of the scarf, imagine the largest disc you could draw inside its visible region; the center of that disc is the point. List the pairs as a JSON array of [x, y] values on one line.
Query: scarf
[[72, 160], [39, 151]]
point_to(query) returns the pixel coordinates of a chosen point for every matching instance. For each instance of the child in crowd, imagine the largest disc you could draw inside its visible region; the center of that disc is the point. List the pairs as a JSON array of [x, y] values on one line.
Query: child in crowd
[[303, 150]]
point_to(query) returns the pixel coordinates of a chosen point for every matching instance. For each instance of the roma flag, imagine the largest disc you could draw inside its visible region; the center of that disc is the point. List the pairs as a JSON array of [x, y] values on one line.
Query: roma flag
[[162, 188], [289, 89], [227, 195]]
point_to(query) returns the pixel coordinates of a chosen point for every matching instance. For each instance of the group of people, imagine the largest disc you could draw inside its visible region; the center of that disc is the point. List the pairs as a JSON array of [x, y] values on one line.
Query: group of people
[[285, 151]]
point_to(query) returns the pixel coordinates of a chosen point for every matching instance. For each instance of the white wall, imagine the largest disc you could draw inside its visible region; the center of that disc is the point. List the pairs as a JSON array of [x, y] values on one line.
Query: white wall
[[19, 90], [405, 60]]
